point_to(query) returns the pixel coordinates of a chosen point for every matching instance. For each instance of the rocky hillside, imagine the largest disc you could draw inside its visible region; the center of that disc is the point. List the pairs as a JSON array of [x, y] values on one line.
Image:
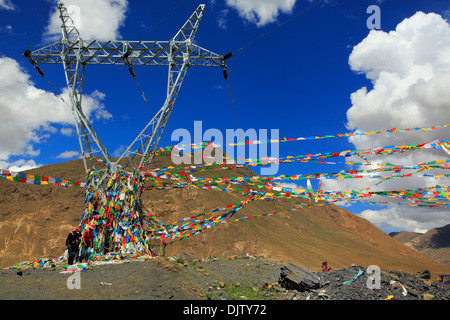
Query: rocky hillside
[[36, 219], [434, 244]]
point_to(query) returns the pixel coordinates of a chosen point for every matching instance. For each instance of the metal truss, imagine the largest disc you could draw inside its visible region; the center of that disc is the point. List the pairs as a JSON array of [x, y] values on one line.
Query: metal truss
[[75, 54]]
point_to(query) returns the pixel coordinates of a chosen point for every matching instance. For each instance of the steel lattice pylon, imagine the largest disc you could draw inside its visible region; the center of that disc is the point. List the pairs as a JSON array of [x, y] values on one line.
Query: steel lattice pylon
[[113, 198], [75, 54]]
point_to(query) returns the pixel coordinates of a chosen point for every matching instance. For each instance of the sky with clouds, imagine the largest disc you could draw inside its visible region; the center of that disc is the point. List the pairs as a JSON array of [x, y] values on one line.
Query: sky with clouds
[[303, 67]]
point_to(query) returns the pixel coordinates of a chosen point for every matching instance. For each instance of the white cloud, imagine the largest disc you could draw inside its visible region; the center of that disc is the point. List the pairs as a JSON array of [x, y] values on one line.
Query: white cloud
[[19, 165], [409, 68], [290, 185], [29, 113], [6, 29], [261, 12], [7, 5], [417, 219], [410, 71], [222, 19], [99, 20], [68, 154], [67, 131], [119, 150]]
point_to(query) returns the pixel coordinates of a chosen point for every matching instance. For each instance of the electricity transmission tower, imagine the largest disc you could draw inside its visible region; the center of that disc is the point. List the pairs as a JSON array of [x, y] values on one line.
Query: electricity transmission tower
[[75, 53], [113, 201]]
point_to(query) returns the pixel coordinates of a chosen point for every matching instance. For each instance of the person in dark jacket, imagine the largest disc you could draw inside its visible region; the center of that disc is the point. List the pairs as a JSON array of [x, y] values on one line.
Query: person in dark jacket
[[72, 245]]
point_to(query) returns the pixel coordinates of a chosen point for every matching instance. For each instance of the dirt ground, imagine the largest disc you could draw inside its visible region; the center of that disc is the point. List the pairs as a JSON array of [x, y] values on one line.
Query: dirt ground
[[235, 278], [154, 279]]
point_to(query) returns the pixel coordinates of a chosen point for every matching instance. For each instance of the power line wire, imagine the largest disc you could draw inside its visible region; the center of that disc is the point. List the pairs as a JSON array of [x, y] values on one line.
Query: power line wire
[[162, 20], [231, 54], [40, 23], [130, 69], [232, 102]]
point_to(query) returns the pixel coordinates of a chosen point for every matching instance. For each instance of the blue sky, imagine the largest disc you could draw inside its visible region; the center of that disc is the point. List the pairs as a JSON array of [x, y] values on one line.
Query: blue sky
[[297, 79]]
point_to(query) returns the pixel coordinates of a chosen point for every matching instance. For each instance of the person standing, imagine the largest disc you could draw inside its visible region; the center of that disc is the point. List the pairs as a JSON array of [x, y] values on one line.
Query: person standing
[[72, 244], [86, 243]]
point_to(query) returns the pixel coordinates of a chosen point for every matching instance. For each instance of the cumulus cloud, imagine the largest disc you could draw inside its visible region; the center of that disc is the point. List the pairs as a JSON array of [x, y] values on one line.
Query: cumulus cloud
[[29, 113], [68, 155], [7, 5], [410, 72], [19, 165], [6, 29], [222, 19], [261, 12], [99, 20], [417, 219], [409, 69], [67, 131]]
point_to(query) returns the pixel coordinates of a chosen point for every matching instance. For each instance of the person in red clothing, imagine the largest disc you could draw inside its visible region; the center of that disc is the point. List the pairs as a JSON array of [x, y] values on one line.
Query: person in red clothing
[[325, 267], [86, 243]]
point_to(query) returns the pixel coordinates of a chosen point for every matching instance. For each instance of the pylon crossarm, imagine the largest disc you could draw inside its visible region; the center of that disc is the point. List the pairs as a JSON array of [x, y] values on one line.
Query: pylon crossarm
[[147, 53], [133, 53]]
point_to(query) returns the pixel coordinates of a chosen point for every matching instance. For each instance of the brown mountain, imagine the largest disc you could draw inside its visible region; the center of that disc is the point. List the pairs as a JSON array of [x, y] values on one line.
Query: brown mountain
[[434, 244], [36, 219], [404, 236]]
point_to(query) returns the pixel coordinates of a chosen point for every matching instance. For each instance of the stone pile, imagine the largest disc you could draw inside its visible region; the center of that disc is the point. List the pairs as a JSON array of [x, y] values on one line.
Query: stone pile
[[354, 283]]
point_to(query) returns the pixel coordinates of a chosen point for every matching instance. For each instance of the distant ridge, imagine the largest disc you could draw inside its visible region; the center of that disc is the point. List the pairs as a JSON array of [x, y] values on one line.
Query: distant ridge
[[404, 236], [434, 244]]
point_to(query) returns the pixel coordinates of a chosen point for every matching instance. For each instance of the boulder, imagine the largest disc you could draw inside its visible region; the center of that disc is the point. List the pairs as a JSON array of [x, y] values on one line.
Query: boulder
[[427, 296], [293, 277], [425, 274]]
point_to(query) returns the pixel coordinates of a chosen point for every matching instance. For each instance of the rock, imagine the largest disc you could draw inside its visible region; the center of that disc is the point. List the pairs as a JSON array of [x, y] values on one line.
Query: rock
[[323, 295], [399, 286], [278, 288], [105, 284], [186, 257], [412, 292], [293, 277], [265, 286], [425, 274], [427, 296]]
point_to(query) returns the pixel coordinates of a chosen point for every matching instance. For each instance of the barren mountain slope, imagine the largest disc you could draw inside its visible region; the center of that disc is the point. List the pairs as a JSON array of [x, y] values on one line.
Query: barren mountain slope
[[35, 221]]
